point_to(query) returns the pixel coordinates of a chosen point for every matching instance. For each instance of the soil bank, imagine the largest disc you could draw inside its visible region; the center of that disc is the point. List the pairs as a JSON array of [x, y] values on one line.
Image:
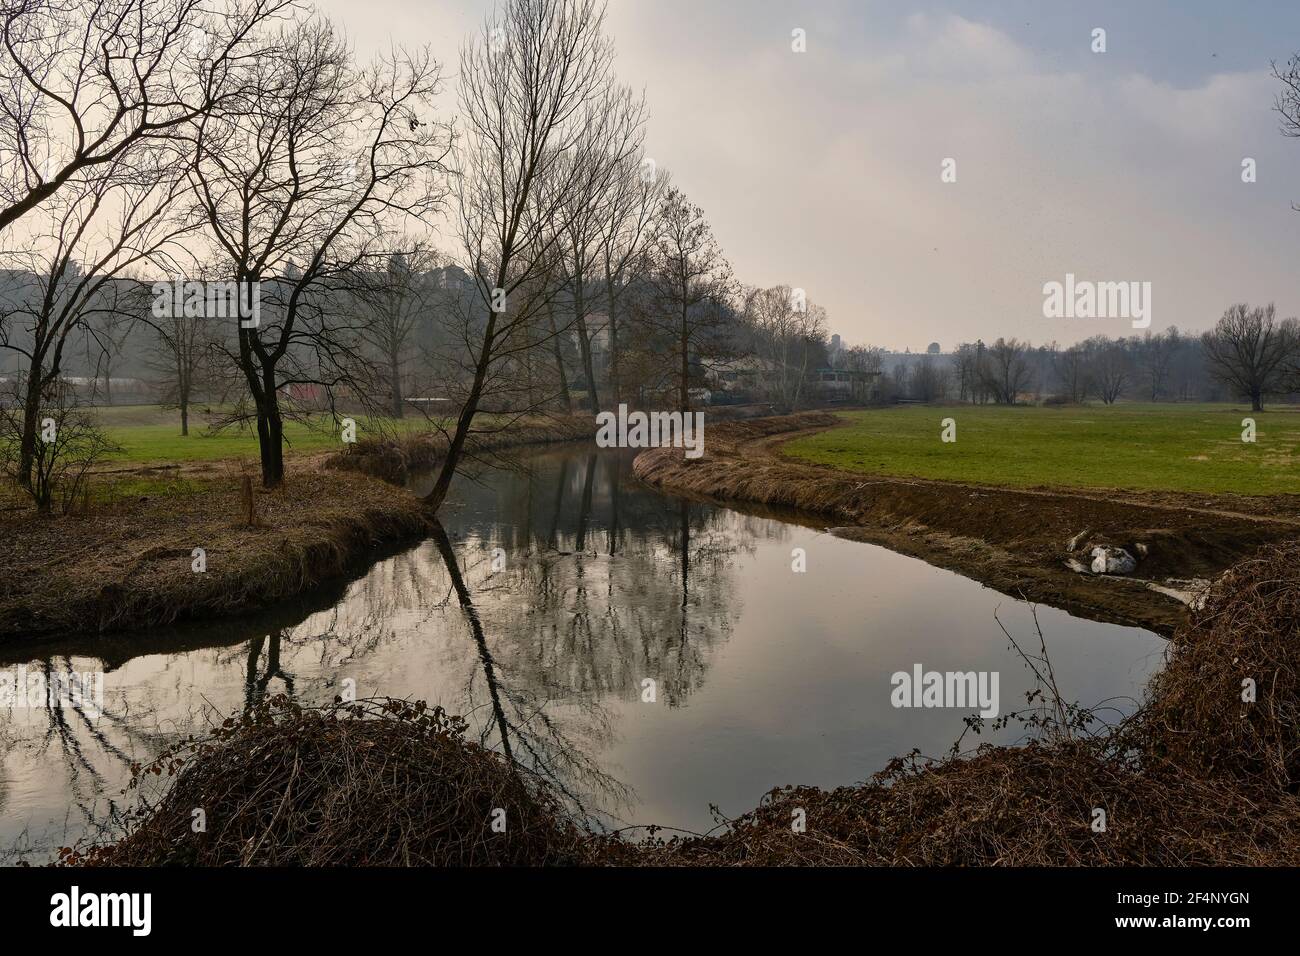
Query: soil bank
[[1016, 541], [131, 561]]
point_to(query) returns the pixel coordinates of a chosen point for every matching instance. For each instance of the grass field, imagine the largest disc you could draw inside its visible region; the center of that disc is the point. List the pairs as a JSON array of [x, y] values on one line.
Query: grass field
[[1168, 447], [149, 434]]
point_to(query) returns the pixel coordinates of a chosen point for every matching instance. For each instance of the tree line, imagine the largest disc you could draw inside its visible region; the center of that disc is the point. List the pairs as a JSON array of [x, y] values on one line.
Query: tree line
[[243, 142], [1250, 355]]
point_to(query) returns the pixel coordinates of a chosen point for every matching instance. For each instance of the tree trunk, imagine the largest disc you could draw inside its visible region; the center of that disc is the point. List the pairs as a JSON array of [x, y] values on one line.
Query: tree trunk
[[593, 401], [559, 363], [613, 341], [684, 399], [270, 434], [183, 399], [451, 461], [395, 371], [31, 422]]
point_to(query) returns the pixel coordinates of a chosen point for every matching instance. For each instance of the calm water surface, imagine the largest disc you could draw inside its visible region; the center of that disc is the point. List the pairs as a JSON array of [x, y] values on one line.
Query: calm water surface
[[561, 589]]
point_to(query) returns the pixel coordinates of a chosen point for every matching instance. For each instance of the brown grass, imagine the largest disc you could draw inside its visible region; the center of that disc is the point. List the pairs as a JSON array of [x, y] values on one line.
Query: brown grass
[[1005, 806], [371, 783], [129, 562], [1249, 630], [394, 458]]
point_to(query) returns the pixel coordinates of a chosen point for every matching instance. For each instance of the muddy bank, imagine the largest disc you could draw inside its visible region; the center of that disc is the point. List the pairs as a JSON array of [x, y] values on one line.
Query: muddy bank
[[394, 458], [131, 562], [1017, 541]]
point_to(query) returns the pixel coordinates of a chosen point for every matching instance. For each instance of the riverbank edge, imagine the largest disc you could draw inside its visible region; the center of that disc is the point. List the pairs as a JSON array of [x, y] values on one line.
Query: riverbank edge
[[1013, 540], [314, 530], [132, 566], [394, 459]]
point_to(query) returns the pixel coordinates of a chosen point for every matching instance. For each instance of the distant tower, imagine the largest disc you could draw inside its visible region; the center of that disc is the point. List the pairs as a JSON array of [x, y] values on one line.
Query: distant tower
[[835, 343]]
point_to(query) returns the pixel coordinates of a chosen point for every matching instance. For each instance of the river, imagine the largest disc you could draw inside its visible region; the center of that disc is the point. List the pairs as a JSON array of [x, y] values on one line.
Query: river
[[649, 655]]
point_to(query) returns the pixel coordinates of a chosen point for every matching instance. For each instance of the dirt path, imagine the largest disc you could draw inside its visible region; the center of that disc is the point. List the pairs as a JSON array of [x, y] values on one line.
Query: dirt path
[[1012, 539]]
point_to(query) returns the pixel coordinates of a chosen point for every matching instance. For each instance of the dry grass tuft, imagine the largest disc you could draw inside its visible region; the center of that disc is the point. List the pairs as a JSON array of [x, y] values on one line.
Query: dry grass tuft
[[1009, 806], [130, 563], [371, 783], [1249, 629]]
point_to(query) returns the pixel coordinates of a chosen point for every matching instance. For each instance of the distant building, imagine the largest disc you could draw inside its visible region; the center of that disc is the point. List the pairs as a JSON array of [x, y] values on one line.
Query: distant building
[[743, 377], [933, 349], [452, 278], [831, 385]]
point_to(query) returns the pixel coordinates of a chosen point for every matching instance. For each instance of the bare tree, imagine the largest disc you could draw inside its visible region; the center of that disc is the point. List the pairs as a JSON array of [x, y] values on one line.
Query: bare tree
[[1287, 102], [784, 327], [1154, 354], [1110, 367], [183, 355], [929, 380], [628, 225], [296, 187], [1072, 367], [397, 297], [610, 136], [106, 335], [69, 444], [528, 87], [103, 224], [692, 287], [1006, 372], [84, 82], [1251, 352]]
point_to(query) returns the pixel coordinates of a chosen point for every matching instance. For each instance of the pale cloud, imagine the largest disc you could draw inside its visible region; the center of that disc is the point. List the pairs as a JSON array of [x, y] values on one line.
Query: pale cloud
[[821, 169], [952, 46]]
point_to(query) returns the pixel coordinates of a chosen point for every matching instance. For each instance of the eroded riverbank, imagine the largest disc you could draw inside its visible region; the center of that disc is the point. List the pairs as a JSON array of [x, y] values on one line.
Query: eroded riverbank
[[184, 549], [203, 539], [1014, 540]]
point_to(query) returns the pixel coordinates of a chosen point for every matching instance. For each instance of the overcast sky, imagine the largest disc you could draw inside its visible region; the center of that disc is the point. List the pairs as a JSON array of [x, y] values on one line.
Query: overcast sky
[[822, 169]]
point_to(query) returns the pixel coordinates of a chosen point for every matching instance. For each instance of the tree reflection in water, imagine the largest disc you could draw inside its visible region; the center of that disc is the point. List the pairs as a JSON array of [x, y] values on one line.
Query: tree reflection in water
[[605, 583]]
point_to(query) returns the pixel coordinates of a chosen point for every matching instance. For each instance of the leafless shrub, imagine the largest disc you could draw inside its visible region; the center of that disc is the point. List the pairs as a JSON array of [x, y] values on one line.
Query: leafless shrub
[[69, 444]]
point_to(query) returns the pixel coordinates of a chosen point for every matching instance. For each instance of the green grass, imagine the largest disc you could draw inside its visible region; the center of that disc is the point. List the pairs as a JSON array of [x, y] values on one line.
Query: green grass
[[149, 434], [1148, 447], [119, 489]]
